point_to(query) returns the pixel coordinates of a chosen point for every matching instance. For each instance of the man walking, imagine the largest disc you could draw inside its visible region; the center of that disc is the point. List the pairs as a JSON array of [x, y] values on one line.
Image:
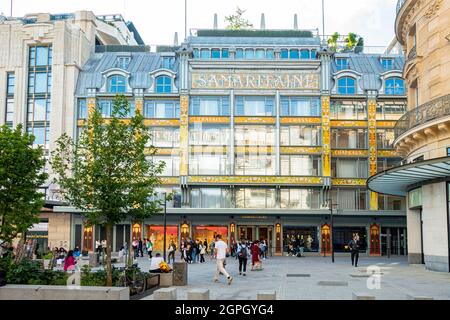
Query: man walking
[[220, 253], [242, 254], [354, 247]]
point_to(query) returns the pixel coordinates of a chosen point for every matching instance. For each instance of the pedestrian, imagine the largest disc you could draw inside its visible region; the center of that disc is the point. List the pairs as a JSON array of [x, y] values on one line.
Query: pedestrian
[[188, 252], [194, 251], [140, 246], [220, 253], [202, 252], [256, 252], [149, 246], [182, 249], [242, 254], [205, 244], [302, 245], [69, 262], [211, 249], [135, 245], [354, 249], [172, 250]]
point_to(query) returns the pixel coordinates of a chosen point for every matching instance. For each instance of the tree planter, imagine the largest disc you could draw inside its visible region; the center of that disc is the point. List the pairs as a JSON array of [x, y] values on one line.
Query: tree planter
[[165, 279]]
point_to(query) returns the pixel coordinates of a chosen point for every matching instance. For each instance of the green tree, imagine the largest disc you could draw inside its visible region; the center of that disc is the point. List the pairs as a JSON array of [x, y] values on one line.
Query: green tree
[[106, 172], [21, 174], [332, 42], [351, 43], [237, 22]]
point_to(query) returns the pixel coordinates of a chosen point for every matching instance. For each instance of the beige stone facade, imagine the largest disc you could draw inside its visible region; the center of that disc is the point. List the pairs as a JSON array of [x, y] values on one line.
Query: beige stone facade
[[423, 28]]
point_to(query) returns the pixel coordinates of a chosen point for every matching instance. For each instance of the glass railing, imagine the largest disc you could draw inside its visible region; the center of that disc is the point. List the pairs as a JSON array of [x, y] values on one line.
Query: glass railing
[[429, 111]]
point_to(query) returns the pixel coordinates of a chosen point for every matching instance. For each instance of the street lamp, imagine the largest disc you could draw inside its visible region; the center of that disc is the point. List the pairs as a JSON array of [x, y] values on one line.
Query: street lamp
[[331, 204], [165, 225]]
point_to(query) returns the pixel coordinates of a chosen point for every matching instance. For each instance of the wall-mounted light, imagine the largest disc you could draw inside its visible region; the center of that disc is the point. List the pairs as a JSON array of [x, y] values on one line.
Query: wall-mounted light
[[232, 228], [278, 228]]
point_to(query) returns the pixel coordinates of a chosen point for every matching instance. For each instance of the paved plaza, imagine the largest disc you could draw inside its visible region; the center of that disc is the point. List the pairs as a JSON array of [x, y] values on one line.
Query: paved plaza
[[318, 278]]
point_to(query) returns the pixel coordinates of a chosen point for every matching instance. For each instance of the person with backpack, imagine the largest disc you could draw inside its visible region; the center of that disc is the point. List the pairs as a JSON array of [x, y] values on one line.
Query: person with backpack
[[242, 254], [202, 252]]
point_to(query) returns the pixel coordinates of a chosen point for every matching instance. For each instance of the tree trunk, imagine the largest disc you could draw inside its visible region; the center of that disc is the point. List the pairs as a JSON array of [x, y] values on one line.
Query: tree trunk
[[109, 237]]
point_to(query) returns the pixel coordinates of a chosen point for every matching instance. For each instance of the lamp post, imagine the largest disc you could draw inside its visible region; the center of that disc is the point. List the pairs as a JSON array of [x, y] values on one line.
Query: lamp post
[[331, 204], [165, 225]]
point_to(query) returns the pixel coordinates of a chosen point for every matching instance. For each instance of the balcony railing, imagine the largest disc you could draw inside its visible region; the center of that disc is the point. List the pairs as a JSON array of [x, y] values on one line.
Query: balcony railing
[[412, 53], [429, 111], [400, 4]]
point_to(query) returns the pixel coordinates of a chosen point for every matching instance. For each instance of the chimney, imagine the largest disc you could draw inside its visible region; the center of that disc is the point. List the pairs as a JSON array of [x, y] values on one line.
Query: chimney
[[215, 21], [175, 39], [295, 22], [263, 21]]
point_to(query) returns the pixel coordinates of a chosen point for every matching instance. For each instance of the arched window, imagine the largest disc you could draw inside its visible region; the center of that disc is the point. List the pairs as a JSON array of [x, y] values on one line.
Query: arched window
[[346, 85], [163, 84], [293, 54], [117, 84], [394, 86], [304, 54]]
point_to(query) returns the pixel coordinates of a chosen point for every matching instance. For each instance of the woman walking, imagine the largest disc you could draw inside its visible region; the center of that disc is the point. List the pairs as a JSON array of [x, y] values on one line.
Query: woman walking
[[202, 252], [256, 252], [242, 254]]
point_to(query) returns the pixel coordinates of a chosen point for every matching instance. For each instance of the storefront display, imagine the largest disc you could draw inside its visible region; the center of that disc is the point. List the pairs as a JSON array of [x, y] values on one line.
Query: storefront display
[[209, 233], [343, 235], [296, 236], [156, 236]]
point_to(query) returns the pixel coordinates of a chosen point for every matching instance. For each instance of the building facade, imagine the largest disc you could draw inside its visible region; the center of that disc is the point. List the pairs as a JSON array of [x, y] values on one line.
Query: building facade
[[41, 56], [422, 135], [259, 131]]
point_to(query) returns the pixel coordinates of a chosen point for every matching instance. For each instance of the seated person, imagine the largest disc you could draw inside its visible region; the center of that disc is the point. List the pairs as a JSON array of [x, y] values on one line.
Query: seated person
[[154, 266]]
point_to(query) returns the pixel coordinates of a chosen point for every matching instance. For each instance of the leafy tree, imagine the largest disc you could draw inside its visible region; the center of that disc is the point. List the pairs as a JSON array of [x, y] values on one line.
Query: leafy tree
[[237, 22], [332, 42], [352, 43], [21, 174], [106, 172]]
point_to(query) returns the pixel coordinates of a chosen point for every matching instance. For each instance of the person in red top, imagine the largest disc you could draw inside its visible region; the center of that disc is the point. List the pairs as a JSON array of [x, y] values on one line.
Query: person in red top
[[256, 262], [69, 262]]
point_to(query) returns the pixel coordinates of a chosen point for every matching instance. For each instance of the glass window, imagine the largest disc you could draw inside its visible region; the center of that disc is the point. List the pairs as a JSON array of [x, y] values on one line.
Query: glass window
[[165, 137], [209, 164], [390, 110], [255, 164], [239, 54], [300, 198], [304, 54], [385, 138], [167, 62], [284, 54], [300, 107], [346, 85], [391, 203], [249, 54], [293, 54], [388, 64], [209, 134], [348, 110], [395, 86], [255, 198], [117, 84], [300, 165], [210, 198], [225, 53], [163, 84], [349, 168], [348, 138], [341, 63], [448, 152], [105, 108], [10, 83], [196, 53], [210, 106], [270, 54], [204, 53], [40, 84], [350, 198], [9, 117], [300, 135], [254, 135], [172, 165], [313, 54], [162, 109], [82, 109], [260, 54], [42, 56], [255, 106], [39, 135], [215, 53]]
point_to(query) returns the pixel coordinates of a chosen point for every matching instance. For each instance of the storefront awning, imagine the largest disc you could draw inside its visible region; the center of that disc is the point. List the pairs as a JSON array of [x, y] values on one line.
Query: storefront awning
[[396, 181]]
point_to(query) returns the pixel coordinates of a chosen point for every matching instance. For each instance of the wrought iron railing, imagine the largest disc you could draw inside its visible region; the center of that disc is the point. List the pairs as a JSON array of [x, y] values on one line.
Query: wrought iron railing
[[412, 53], [429, 111]]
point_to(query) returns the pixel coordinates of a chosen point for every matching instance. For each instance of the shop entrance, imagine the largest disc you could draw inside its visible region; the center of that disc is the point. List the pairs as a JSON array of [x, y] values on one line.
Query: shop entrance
[[253, 233], [393, 241]]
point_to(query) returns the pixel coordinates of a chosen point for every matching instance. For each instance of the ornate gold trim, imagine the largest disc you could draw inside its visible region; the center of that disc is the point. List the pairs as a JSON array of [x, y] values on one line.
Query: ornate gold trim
[[388, 153], [264, 180], [349, 153], [209, 119], [300, 150], [170, 180], [255, 150], [326, 140], [348, 182], [255, 120], [372, 119], [184, 134], [300, 120], [162, 122], [386, 124], [348, 123], [208, 149]]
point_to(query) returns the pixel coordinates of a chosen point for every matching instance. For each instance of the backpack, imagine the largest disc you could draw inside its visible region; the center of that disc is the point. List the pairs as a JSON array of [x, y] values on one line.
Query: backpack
[[243, 252]]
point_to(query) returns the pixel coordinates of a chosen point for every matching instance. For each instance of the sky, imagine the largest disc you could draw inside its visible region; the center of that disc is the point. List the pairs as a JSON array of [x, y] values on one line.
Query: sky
[[157, 20]]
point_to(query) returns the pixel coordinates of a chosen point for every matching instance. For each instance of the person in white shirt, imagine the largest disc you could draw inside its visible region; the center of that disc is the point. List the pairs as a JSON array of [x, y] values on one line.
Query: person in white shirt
[[154, 265], [220, 253]]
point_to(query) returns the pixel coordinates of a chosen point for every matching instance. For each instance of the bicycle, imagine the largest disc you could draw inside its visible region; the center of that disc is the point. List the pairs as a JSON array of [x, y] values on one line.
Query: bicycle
[[132, 278]]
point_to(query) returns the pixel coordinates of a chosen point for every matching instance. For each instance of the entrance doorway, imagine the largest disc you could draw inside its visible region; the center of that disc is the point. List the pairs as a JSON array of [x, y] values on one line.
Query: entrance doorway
[[393, 241], [253, 233]]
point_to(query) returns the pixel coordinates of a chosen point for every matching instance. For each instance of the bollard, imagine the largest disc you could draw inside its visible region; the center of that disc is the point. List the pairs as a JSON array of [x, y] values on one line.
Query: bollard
[[267, 295], [165, 294], [198, 294]]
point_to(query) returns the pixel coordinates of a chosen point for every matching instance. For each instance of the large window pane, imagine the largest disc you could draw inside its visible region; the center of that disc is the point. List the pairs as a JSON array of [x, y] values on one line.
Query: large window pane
[[165, 137], [300, 135], [300, 198], [255, 106], [208, 164], [209, 134], [348, 138], [210, 106], [210, 198], [255, 198], [300, 107], [255, 164], [300, 165], [254, 135]]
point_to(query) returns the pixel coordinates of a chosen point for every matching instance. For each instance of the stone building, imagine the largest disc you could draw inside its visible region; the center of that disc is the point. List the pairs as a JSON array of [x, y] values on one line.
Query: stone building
[[422, 135]]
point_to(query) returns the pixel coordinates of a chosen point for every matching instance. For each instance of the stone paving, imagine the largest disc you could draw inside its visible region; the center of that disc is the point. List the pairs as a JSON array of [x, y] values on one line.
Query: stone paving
[[317, 278]]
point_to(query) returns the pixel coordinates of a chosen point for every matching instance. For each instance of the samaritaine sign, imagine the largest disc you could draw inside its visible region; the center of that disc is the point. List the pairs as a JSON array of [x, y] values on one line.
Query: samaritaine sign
[[256, 80]]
